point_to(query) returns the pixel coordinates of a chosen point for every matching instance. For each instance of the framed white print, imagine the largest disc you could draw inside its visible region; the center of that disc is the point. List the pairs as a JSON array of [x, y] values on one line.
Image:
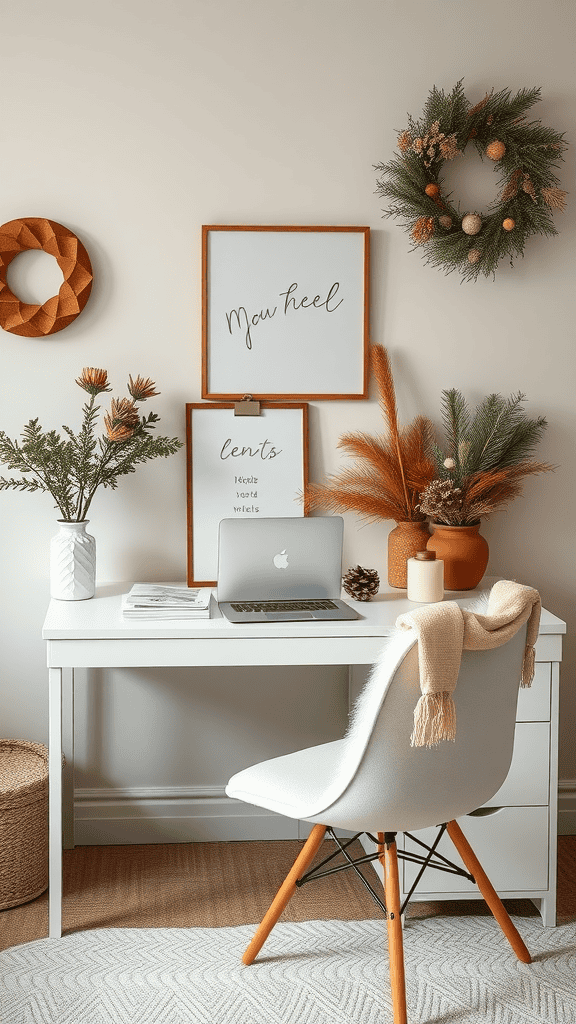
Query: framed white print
[[241, 466], [285, 312]]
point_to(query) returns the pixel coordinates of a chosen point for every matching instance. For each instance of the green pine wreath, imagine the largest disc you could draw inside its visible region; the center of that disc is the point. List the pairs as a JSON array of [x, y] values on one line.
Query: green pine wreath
[[524, 153]]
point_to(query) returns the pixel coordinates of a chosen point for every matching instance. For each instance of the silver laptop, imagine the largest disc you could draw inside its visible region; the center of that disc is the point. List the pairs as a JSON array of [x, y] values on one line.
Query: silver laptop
[[281, 570]]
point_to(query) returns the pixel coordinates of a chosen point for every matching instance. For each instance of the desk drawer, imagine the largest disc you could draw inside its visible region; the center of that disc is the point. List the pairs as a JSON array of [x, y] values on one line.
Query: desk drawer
[[511, 844], [534, 701], [528, 781]]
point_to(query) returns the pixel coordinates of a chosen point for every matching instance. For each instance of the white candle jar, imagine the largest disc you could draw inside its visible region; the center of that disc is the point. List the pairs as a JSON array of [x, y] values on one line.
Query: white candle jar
[[425, 578]]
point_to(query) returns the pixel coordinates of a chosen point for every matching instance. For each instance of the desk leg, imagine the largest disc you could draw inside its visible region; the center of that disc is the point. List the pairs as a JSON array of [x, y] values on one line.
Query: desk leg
[[55, 802], [68, 749], [357, 676]]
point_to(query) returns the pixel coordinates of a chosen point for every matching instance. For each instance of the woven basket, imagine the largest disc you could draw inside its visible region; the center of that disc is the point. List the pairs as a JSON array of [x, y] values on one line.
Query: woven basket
[[23, 821]]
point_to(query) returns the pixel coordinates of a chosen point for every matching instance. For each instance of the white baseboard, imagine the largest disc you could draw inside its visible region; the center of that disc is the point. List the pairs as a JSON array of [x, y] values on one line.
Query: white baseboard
[[185, 814], [567, 807], [181, 814]]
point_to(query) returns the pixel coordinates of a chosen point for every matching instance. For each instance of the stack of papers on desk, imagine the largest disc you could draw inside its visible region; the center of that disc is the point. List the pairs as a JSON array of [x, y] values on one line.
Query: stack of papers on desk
[[165, 601]]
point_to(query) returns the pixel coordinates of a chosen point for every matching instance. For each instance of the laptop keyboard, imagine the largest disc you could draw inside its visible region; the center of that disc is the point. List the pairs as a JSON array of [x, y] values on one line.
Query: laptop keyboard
[[283, 606]]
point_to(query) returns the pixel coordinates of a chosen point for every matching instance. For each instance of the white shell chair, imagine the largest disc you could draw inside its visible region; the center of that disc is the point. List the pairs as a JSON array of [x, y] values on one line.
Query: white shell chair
[[373, 781]]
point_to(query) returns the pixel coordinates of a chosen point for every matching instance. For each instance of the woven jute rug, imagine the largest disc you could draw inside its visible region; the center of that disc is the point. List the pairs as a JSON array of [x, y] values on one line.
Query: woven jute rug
[[458, 971], [213, 885]]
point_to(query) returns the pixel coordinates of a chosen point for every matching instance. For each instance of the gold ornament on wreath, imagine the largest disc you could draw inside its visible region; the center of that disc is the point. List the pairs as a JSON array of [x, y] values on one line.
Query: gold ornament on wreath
[[524, 154]]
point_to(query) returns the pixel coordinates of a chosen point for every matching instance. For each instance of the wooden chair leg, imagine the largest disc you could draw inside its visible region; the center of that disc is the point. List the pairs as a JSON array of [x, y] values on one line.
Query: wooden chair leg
[[286, 890], [489, 893], [389, 860]]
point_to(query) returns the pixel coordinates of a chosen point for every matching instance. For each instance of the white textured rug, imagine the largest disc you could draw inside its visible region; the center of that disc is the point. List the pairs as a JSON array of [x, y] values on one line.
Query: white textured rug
[[458, 971]]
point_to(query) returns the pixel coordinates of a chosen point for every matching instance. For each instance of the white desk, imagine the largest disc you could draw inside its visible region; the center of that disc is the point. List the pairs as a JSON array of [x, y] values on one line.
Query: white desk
[[93, 634]]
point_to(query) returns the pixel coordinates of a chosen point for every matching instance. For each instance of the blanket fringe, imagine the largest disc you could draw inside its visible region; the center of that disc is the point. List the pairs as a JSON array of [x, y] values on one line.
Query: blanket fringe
[[528, 666], [434, 720]]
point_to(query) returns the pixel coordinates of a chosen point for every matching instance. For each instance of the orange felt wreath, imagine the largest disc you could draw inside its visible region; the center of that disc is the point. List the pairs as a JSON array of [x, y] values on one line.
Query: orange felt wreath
[[33, 321]]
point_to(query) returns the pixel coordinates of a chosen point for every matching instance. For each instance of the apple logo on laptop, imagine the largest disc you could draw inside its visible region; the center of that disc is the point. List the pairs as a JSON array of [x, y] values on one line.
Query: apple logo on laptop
[[281, 560]]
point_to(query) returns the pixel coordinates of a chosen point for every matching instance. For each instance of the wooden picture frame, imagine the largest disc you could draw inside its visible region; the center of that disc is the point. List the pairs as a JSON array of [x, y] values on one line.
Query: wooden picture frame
[[240, 466], [285, 312]]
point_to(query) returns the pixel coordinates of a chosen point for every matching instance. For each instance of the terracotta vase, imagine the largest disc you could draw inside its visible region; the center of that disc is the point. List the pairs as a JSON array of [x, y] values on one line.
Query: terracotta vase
[[464, 553], [403, 543]]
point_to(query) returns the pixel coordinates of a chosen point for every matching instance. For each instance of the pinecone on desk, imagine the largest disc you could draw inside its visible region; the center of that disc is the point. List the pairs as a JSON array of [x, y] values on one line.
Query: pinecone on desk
[[361, 584]]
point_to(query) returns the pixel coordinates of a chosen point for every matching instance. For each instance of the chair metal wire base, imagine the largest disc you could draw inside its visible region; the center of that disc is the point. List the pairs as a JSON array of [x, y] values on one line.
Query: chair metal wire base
[[432, 859]]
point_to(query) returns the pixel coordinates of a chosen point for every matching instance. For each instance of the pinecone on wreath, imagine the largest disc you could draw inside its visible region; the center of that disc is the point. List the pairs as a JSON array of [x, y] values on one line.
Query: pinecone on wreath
[[361, 584]]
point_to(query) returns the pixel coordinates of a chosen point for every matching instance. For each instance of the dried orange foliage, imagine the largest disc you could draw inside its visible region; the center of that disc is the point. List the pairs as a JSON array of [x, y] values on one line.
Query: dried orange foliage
[[511, 189], [390, 470], [422, 230], [490, 490], [554, 198], [480, 494]]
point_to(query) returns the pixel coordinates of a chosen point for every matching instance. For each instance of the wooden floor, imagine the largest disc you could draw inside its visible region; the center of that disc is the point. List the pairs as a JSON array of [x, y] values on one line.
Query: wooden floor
[[184, 885]]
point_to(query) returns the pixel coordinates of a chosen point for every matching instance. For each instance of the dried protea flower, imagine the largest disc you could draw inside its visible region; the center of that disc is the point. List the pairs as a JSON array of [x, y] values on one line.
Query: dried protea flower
[[122, 420], [423, 230], [124, 411], [93, 381], [142, 388], [554, 197], [404, 141], [118, 431], [442, 501]]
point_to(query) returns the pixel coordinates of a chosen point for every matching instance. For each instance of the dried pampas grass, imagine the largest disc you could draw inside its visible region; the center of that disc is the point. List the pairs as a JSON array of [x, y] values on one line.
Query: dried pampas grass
[[391, 469]]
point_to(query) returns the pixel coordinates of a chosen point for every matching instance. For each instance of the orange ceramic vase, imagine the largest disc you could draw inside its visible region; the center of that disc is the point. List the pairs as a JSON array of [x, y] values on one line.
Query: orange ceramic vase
[[403, 543], [464, 553]]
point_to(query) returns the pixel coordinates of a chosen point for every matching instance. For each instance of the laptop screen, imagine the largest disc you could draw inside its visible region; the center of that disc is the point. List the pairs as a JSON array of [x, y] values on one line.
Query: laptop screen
[[280, 558]]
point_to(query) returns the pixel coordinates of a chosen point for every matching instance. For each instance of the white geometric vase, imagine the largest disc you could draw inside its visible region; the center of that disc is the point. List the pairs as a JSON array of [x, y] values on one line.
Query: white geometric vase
[[72, 562]]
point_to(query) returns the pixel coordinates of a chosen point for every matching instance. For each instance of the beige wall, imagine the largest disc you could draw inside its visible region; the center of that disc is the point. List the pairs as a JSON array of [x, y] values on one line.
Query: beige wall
[[134, 123]]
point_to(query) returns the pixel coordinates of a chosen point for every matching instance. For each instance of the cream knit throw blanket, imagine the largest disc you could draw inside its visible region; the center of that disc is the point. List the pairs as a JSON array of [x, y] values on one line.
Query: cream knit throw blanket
[[444, 630]]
